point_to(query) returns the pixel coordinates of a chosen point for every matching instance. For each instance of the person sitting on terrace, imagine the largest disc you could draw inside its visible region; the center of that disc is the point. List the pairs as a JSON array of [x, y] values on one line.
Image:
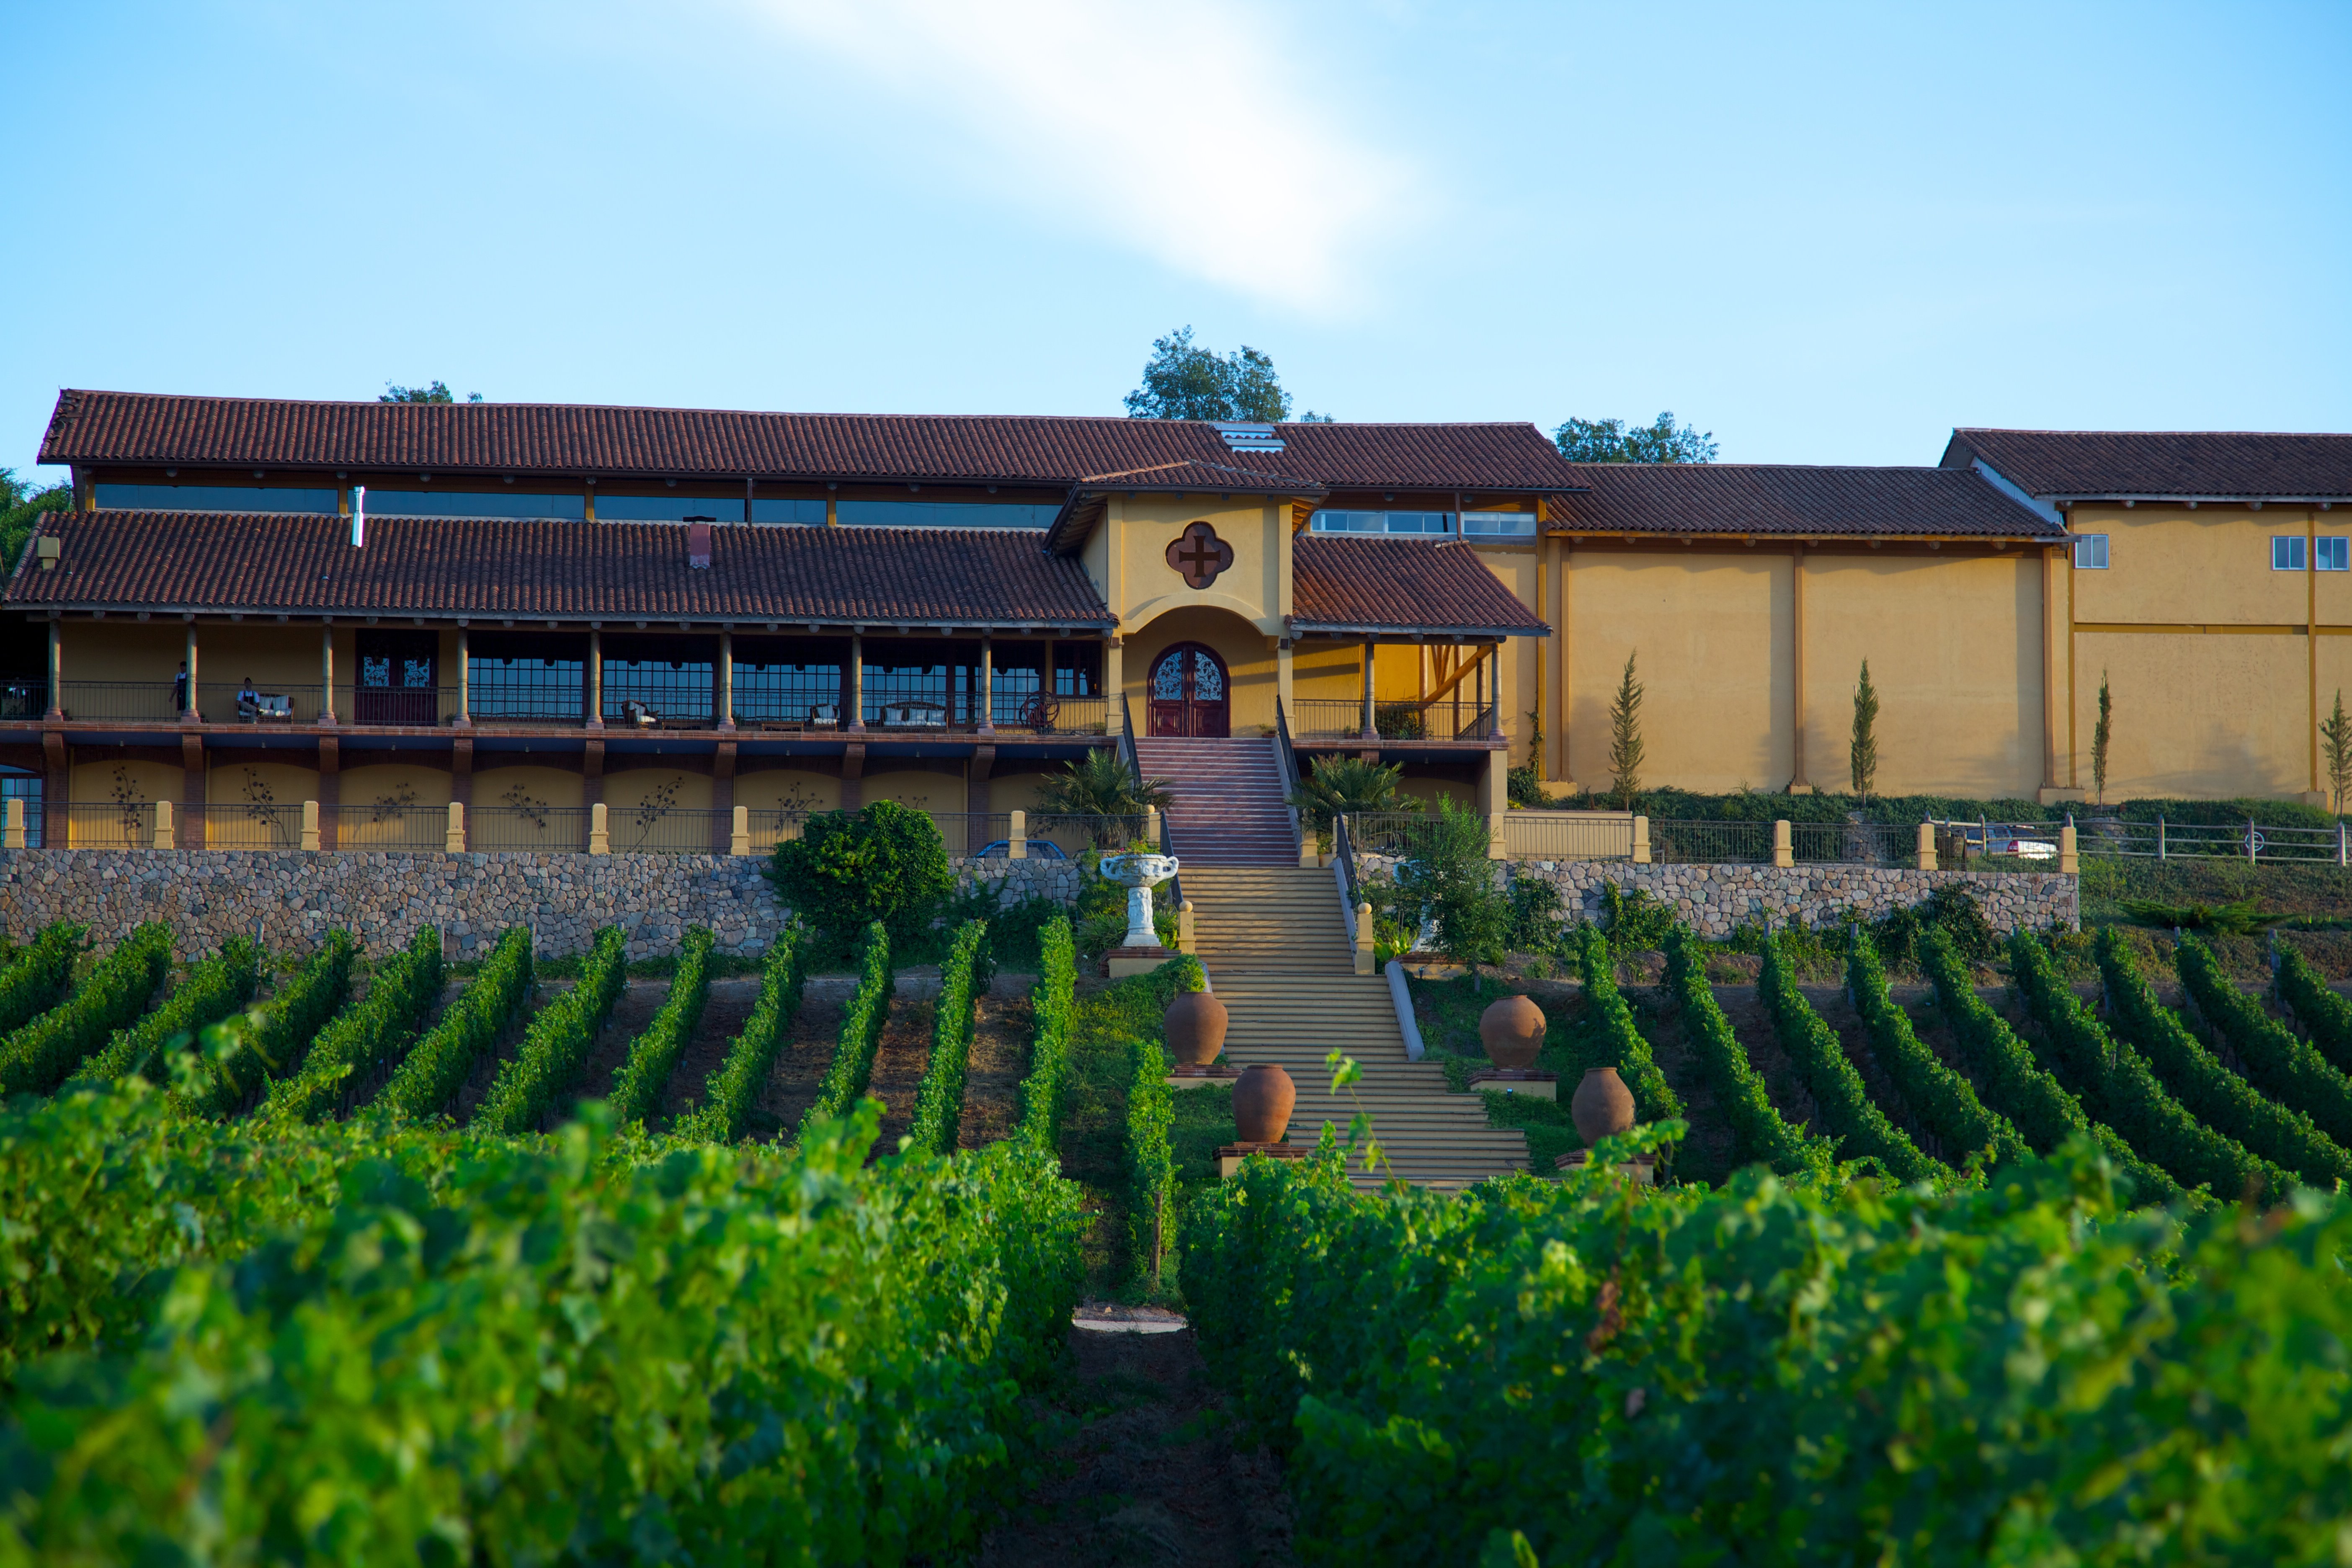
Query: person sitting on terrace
[[249, 700]]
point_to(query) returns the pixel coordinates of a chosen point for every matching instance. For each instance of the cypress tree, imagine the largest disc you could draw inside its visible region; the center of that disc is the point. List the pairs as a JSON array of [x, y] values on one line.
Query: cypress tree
[[1625, 738], [2099, 733], [1863, 757]]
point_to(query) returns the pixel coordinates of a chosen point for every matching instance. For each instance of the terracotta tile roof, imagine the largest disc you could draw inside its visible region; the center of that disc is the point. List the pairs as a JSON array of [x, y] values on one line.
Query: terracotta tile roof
[[438, 566], [1191, 474], [2158, 463], [557, 438], [1340, 583], [1774, 499]]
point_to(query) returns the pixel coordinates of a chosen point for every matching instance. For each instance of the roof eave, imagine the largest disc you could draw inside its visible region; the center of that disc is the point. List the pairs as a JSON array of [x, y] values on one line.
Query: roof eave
[[2182, 498], [2056, 537], [1359, 629]]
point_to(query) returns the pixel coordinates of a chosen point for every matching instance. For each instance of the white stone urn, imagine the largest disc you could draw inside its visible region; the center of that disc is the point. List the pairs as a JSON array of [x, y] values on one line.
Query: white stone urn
[[1139, 874]]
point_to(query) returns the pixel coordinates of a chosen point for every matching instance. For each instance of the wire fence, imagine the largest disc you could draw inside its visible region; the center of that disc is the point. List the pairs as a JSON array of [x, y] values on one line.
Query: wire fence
[[1710, 843], [387, 827], [1855, 843], [555, 829], [2256, 843]]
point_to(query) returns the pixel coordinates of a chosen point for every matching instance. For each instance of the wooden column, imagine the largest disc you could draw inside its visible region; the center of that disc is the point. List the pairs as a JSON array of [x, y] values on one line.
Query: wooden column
[[331, 792], [193, 712], [1799, 783], [727, 663], [57, 669], [2051, 558], [1369, 731], [192, 791], [722, 796], [595, 676], [987, 684], [465, 680], [327, 673], [852, 684]]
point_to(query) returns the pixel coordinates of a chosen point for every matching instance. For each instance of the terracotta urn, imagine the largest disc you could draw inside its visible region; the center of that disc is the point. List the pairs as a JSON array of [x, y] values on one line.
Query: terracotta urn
[[1262, 1097], [1602, 1106], [1195, 1025], [1513, 1030]]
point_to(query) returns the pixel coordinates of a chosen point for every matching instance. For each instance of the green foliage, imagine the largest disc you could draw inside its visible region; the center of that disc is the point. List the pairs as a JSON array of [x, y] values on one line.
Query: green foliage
[[1845, 1108], [851, 869], [1783, 1371], [1609, 441], [2209, 1090], [861, 1030], [1523, 786], [1616, 1042], [2016, 1085], [1535, 924], [1943, 1102], [240, 1055], [2318, 1009], [1184, 381], [1950, 910], [730, 1094], [1098, 783], [437, 1067], [963, 979], [2335, 752], [1626, 750], [532, 1086], [636, 1096], [1862, 751], [2117, 1086], [37, 1057], [1453, 885], [38, 975], [1341, 783], [521, 1353], [365, 1037], [1758, 1132], [437, 392], [2280, 1063], [2234, 918], [210, 991], [1636, 921], [1053, 1014], [1151, 1158], [2102, 733], [21, 507]]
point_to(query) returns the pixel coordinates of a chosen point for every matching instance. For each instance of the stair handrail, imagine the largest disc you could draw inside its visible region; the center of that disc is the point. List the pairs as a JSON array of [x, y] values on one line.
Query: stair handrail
[[1343, 851], [1167, 845], [1287, 761]]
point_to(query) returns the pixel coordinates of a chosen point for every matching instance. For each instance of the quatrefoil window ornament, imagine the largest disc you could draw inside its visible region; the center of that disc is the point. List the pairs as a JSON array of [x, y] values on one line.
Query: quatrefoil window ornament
[[1199, 555]]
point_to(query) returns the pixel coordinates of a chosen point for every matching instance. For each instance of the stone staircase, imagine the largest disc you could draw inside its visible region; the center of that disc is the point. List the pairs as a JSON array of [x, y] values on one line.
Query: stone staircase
[[1277, 952], [1227, 806]]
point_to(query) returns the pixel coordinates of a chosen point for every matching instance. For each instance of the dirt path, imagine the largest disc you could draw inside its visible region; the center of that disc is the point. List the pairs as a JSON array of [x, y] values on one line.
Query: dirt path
[[1146, 1473], [1706, 1154], [1000, 1059], [724, 1009], [807, 1055], [640, 1000], [1840, 1015], [1751, 1023], [899, 1063]]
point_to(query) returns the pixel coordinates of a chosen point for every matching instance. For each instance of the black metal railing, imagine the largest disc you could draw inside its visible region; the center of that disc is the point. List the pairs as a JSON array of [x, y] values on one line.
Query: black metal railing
[[1437, 719], [159, 701], [260, 702], [24, 696], [1343, 850]]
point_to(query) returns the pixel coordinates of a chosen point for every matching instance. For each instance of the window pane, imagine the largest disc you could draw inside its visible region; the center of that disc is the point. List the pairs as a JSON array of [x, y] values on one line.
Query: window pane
[[807, 510], [941, 514], [473, 504], [1508, 523], [2335, 554], [214, 498], [2286, 552], [1334, 521], [2090, 551], [668, 509]]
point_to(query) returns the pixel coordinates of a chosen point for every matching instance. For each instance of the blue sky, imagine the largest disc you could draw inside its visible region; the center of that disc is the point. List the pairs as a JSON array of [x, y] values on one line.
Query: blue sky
[[1827, 234]]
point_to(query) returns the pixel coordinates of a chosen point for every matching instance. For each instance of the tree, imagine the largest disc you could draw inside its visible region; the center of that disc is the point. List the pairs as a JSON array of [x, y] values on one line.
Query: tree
[[1608, 441], [1345, 783], [437, 392], [21, 505], [849, 869], [1862, 758], [2099, 735], [1625, 738], [1184, 381], [2336, 730], [1451, 887], [1098, 784]]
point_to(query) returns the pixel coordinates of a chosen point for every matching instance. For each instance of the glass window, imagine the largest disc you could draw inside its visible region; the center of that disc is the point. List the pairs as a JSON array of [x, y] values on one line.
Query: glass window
[[473, 504], [668, 509], [943, 514], [2090, 552], [2334, 554], [807, 509], [1333, 520], [214, 498], [26, 788], [1499, 524], [2286, 552]]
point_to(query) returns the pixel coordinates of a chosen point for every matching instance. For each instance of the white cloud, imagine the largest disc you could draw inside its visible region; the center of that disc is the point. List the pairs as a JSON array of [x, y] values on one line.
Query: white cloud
[[1182, 132]]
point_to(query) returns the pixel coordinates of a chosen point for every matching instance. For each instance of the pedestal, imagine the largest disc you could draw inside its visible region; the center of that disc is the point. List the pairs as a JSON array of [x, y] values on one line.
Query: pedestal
[[1121, 962], [1528, 1081], [1230, 1157], [1193, 1078]]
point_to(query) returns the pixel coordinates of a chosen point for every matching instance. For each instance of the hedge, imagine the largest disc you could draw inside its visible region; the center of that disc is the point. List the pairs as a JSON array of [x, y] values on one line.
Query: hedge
[[2328, 1016], [208, 992], [637, 1087], [241, 1056], [37, 978], [1758, 1132], [2280, 1063], [1054, 1006], [1151, 1156], [37, 1057], [545, 1068], [1842, 1101], [437, 1066], [1621, 1043], [2209, 1090], [861, 1031], [1943, 1102], [963, 979], [730, 1094], [399, 997]]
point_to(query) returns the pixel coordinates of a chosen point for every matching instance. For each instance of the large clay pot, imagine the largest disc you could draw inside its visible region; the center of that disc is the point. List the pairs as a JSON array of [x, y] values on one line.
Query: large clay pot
[[1602, 1106], [1195, 1026], [1513, 1030], [1262, 1097]]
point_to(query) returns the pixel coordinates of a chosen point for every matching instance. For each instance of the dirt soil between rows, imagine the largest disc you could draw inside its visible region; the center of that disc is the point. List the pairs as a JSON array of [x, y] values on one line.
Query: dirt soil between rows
[[725, 1007], [1000, 1060]]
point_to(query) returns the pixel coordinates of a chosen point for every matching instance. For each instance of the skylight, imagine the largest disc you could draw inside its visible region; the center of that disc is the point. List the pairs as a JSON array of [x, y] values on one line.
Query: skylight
[[1241, 437]]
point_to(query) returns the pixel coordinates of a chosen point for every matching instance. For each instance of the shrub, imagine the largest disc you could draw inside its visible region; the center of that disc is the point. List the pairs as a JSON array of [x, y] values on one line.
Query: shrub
[[1844, 1104], [963, 979], [1053, 1014], [637, 1089], [38, 975], [547, 1065], [849, 869], [2120, 1089], [1634, 921], [367, 1036], [1453, 888], [1948, 910], [1150, 1159], [439, 1064], [2281, 1064], [730, 1094], [36, 1056], [210, 991], [1620, 1044], [1758, 1132], [240, 1055], [1941, 1098], [2209, 1089], [861, 1030]]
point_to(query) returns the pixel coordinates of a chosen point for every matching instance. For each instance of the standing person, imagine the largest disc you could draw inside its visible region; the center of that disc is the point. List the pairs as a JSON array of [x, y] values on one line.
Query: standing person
[[180, 688]]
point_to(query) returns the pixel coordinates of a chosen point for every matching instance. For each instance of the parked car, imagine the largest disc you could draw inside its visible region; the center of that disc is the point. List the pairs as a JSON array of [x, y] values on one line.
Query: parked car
[[1039, 849]]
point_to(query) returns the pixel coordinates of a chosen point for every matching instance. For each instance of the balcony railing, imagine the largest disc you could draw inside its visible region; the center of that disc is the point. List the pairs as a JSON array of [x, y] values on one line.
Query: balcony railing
[[555, 829], [156, 701], [1442, 718], [261, 703], [409, 827], [406, 706], [24, 696]]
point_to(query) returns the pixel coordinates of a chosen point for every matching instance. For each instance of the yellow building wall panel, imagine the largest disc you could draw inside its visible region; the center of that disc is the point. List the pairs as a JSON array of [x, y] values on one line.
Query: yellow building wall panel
[[2199, 715], [119, 798], [1249, 662], [1515, 673], [257, 805], [788, 789], [918, 791], [1710, 632], [2171, 565], [274, 657], [1955, 651], [391, 786], [145, 652]]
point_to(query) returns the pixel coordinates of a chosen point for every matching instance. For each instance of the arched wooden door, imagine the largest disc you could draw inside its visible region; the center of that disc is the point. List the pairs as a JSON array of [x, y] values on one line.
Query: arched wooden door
[[1189, 694]]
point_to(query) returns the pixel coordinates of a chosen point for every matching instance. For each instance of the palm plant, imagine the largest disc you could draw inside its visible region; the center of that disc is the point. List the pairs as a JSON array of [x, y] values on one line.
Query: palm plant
[[1341, 785], [1098, 784]]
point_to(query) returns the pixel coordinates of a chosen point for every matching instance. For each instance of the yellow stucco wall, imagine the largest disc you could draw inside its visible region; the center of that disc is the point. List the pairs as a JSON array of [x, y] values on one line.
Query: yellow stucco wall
[[787, 789], [2203, 715], [2169, 565], [124, 650], [117, 800], [1249, 662], [1236, 615]]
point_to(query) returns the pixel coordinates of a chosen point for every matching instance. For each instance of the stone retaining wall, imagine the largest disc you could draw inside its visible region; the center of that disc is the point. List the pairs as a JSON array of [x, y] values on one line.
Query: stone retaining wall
[[1716, 900], [290, 899]]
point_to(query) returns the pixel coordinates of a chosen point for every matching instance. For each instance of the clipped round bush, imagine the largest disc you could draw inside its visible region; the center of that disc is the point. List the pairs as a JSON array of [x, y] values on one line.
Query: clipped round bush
[[850, 868]]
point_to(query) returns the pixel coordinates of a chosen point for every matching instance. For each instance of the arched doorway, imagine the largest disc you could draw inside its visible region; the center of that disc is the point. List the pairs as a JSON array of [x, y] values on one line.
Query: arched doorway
[[1189, 694]]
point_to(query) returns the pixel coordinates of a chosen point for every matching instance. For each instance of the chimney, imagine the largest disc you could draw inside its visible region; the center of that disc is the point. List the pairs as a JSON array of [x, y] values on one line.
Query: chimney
[[698, 544]]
